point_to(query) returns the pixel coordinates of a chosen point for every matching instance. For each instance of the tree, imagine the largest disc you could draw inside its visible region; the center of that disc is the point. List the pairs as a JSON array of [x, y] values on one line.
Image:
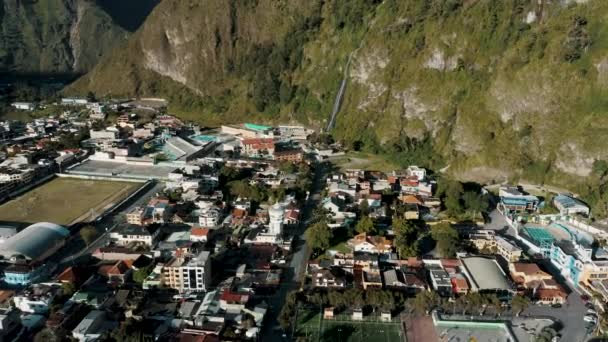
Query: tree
[[141, 274], [319, 236], [45, 335], [288, 311], [364, 207], [447, 239], [88, 234], [366, 225], [474, 202], [425, 301], [406, 237], [519, 303]]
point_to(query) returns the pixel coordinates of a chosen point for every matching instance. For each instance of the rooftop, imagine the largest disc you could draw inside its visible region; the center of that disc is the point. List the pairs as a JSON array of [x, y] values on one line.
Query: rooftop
[[485, 273]]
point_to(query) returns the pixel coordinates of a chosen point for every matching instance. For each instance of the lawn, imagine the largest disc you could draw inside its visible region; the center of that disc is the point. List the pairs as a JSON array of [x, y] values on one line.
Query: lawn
[[64, 200], [364, 161], [342, 329]]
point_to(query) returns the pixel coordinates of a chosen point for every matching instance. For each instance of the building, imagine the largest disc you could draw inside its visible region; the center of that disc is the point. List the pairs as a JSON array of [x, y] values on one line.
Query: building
[[276, 213], [513, 200], [507, 250], [92, 326], [133, 234], [485, 275], [24, 105], [418, 172], [9, 322], [290, 155], [73, 101], [570, 206], [198, 234], [370, 244], [35, 243], [18, 175], [440, 281], [258, 147], [37, 299], [188, 274]]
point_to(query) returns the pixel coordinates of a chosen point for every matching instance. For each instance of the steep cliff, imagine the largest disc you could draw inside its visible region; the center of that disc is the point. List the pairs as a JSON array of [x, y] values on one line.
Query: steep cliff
[[492, 89], [55, 36]]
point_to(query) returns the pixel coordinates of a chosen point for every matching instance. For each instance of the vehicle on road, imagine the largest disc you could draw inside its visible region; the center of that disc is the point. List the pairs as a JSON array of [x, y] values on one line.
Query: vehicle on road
[[590, 319], [589, 305], [556, 305], [585, 298], [591, 312]]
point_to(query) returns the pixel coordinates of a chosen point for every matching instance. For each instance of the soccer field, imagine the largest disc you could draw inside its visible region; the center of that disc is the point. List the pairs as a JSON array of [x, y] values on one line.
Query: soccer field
[[341, 329], [65, 200]]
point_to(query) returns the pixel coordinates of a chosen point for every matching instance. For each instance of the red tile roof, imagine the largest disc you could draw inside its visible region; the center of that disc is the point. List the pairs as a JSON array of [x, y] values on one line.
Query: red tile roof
[[200, 231]]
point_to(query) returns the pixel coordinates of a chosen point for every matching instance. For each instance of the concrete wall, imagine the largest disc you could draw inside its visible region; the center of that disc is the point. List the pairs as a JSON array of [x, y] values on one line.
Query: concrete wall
[[100, 177]]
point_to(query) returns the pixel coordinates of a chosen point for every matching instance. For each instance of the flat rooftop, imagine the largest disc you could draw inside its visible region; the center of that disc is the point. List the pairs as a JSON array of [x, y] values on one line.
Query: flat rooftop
[[118, 169]]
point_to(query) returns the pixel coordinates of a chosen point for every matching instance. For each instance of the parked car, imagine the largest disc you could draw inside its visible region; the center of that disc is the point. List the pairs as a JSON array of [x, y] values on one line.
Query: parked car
[[589, 305], [590, 319], [585, 298], [592, 312], [556, 305]]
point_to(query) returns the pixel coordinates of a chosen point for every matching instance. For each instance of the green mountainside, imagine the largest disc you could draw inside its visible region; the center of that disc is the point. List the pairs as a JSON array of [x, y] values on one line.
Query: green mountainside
[[55, 36], [488, 90]]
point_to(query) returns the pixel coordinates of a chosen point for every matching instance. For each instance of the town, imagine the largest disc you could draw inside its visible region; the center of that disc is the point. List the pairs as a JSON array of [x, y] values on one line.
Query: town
[[121, 221]]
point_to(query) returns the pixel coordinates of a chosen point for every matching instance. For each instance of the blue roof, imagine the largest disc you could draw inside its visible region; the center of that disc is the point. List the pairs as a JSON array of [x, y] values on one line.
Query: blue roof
[[519, 200], [568, 202], [257, 127]]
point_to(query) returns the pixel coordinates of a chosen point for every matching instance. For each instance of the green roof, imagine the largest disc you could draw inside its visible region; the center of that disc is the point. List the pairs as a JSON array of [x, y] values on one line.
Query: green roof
[[257, 127]]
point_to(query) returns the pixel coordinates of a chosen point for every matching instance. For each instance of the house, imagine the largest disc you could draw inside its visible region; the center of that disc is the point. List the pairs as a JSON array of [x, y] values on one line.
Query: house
[[29, 106], [9, 322], [440, 280], [198, 234], [37, 299], [514, 200], [92, 326], [460, 285], [233, 302], [418, 172], [371, 278], [133, 234], [329, 313], [370, 244], [290, 155], [411, 212], [357, 314], [527, 274], [118, 273], [568, 205], [333, 277], [188, 274]]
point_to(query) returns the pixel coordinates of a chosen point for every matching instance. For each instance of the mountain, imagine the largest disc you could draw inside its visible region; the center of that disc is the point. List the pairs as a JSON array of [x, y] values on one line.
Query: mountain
[[490, 90], [63, 36]]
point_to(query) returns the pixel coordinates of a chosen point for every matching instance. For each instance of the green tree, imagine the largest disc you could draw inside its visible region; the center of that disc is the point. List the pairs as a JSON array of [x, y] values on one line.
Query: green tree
[[519, 303], [88, 234], [318, 236], [141, 274], [366, 225], [406, 237], [474, 202], [364, 207], [447, 239], [425, 301]]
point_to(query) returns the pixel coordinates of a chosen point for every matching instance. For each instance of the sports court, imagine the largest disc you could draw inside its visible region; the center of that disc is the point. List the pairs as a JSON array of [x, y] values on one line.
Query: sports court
[[343, 329]]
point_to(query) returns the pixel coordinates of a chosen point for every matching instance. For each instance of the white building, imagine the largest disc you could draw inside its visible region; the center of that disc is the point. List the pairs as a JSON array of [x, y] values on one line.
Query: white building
[[91, 327], [419, 172], [36, 300], [569, 205], [196, 273], [277, 215], [24, 105]]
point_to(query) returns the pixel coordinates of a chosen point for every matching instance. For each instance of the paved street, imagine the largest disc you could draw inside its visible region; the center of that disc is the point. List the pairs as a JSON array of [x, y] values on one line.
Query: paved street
[[570, 315], [297, 266]]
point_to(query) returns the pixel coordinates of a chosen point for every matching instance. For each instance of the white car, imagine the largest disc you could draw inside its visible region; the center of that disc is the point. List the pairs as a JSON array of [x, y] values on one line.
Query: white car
[[590, 319], [591, 312]]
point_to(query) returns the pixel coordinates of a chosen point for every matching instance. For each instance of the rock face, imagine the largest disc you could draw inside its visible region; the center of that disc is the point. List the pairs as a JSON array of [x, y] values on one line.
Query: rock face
[[499, 85], [54, 36]]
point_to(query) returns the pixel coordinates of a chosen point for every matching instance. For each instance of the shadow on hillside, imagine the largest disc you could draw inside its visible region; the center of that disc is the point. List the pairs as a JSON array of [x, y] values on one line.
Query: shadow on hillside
[[128, 14]]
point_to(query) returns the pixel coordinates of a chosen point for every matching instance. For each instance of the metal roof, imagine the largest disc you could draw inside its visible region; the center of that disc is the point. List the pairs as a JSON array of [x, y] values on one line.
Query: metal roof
[[485, 273], [34, 241]]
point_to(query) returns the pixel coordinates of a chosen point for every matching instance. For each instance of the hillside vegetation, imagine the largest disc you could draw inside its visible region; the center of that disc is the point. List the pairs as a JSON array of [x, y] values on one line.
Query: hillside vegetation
[[54, 36], [492, 90]]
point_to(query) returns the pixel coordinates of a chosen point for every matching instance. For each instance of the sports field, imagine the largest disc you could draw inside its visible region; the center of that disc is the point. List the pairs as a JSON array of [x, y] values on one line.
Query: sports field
[[65, 201], [311, 327]]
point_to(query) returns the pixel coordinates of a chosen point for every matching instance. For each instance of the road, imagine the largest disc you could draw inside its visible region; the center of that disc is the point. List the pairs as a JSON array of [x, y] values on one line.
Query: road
[[570, 315], [74, 250], [271, 331]]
